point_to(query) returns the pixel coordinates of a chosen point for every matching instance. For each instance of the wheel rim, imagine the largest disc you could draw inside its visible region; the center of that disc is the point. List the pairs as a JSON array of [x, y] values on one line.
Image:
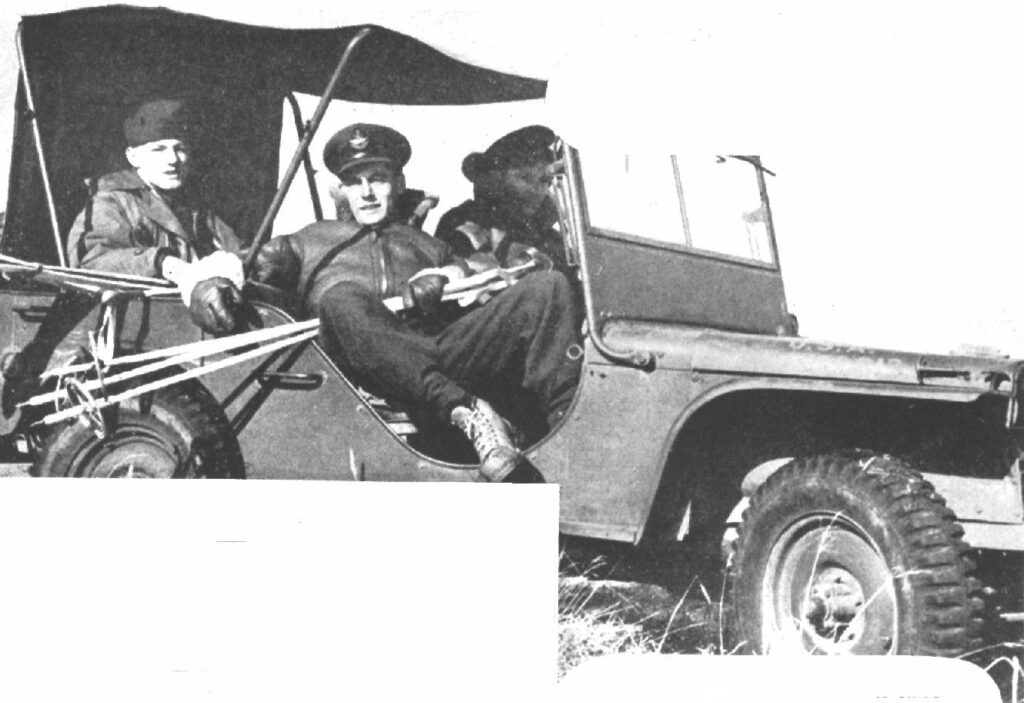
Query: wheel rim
[[130, 451], [828, 590]]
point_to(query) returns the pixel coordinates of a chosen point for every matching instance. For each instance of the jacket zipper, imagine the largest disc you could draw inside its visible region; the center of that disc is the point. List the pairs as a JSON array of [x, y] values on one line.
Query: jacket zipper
[[388, 274], [379, 263]]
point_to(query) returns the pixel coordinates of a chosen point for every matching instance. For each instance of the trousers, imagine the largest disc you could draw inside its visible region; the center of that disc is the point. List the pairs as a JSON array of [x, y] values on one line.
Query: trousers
[[513, 351]]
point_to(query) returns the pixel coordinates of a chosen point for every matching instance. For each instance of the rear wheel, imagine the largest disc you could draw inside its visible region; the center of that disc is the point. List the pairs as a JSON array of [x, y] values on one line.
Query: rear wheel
[[841, 555], [175, 432]]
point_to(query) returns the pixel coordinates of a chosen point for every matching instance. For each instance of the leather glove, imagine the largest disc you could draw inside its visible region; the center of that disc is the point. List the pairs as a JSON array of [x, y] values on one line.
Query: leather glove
[[423, 294], [277, 264], [213, 305]]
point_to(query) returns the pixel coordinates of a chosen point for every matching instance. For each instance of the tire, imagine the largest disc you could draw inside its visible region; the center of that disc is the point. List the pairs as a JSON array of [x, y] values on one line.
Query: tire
[[848, 555], [175, 432]]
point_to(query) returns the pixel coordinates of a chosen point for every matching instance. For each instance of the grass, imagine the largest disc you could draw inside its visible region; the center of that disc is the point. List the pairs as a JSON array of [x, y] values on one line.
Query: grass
[[584, 633], [587, 629], [590, 624], [1003, 662]]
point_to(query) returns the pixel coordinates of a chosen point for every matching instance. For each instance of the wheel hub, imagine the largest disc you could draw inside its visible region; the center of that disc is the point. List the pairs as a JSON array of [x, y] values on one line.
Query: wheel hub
[[828, 590], [130, 462], [130, 451], [834, 601]]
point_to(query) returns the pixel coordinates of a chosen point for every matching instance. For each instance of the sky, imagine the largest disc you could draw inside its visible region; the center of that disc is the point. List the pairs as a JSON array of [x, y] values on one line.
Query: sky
[[894, 130]]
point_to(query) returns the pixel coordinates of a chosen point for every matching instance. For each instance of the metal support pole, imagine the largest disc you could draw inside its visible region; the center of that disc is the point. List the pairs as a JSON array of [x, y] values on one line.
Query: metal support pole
[[263, 233], [39, 151], [632, 357], [307, 165]]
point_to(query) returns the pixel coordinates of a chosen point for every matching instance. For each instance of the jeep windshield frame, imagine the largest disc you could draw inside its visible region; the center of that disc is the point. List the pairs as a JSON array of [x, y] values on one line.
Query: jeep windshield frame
[[697, 286]]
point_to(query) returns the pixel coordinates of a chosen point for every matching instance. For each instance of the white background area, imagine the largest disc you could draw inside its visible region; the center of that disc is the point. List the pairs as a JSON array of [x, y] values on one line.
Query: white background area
[[895, 130], [173, 591]]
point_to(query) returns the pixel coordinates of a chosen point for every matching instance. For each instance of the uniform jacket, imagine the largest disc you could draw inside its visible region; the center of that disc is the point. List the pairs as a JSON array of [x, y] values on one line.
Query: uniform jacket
[[472, 226], [125, 224], [323, 254]]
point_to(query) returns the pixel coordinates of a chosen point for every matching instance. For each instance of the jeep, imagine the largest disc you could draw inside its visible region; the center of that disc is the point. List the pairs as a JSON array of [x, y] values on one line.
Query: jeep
[[874, 486]]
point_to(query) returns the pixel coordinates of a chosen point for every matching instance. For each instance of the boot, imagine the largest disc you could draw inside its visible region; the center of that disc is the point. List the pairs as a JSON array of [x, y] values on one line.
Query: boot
[[489, 433]]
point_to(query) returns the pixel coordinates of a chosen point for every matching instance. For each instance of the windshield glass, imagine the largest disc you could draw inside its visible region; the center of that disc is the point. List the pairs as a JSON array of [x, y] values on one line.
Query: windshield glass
[[709, 203]]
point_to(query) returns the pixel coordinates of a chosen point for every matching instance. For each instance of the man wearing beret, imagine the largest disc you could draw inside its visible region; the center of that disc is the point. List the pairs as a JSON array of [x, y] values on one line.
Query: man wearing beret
[[144, 221], [438, 363], [512, 205]]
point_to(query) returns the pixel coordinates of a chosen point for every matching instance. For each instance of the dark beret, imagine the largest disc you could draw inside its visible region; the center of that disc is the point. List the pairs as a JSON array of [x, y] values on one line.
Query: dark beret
[[156, 120], [363, 143], [524, 146]]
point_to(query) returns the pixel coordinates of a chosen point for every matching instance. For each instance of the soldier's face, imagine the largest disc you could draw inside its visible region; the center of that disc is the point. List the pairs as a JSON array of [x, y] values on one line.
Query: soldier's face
[[163, 164], [371, 192], [524, 190]]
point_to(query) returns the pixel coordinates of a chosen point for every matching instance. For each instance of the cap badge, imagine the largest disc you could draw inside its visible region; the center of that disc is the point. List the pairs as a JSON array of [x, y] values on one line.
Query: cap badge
[[359, 141]]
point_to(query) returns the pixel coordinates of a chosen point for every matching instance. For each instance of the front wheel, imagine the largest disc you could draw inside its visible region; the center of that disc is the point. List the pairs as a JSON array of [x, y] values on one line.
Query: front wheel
[[175, 432], [841, 555]]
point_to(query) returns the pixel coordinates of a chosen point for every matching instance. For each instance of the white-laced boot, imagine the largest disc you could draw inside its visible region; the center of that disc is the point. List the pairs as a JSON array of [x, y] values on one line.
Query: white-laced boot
[[490, 436]]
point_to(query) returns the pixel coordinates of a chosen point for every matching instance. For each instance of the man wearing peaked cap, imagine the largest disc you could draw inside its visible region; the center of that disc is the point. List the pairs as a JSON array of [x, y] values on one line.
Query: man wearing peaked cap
[[512, 207], [145, 221], [439, 363], [362, 143], [375, 144]]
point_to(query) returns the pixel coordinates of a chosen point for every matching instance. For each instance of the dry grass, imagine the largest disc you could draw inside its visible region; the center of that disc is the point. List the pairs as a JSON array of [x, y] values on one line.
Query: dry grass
[[1003, 662], [587, 628], [584, 634]]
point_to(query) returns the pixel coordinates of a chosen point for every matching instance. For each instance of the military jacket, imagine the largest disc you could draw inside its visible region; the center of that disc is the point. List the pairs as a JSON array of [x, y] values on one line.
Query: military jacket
[[327, 253], [126, 224], [475, 226]]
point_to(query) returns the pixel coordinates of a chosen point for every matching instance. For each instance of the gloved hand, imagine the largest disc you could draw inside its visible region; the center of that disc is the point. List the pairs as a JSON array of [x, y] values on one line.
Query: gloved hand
[[213, 304], [519, 254], [277, 264], [423, 293]]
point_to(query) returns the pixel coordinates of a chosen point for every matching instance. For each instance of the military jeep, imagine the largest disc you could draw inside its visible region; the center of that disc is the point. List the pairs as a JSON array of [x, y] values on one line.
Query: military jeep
[[875, 482]]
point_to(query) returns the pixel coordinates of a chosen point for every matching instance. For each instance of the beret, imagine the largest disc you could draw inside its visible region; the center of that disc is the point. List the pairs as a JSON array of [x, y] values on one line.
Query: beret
[[364, 143], [156, 120], [522, 147]]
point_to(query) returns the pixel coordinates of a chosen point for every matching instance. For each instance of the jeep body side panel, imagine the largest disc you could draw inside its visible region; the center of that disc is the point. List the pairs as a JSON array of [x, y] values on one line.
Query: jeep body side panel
[[636, 417], [301, 419], [605, 454], [693, 348], [633, 418], [295, 413]]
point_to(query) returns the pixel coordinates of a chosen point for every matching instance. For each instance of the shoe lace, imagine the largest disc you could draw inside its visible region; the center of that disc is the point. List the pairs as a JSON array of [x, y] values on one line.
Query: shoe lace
[[484, 432]]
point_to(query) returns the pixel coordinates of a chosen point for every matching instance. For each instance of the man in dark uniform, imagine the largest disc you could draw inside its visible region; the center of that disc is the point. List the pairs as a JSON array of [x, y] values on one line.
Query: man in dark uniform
[[145, 221], [342, 270], [511, 200]]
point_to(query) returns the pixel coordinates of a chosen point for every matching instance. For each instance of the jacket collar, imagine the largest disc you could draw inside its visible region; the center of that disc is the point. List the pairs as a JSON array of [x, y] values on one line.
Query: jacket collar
[[154, 207], [127, 179]]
